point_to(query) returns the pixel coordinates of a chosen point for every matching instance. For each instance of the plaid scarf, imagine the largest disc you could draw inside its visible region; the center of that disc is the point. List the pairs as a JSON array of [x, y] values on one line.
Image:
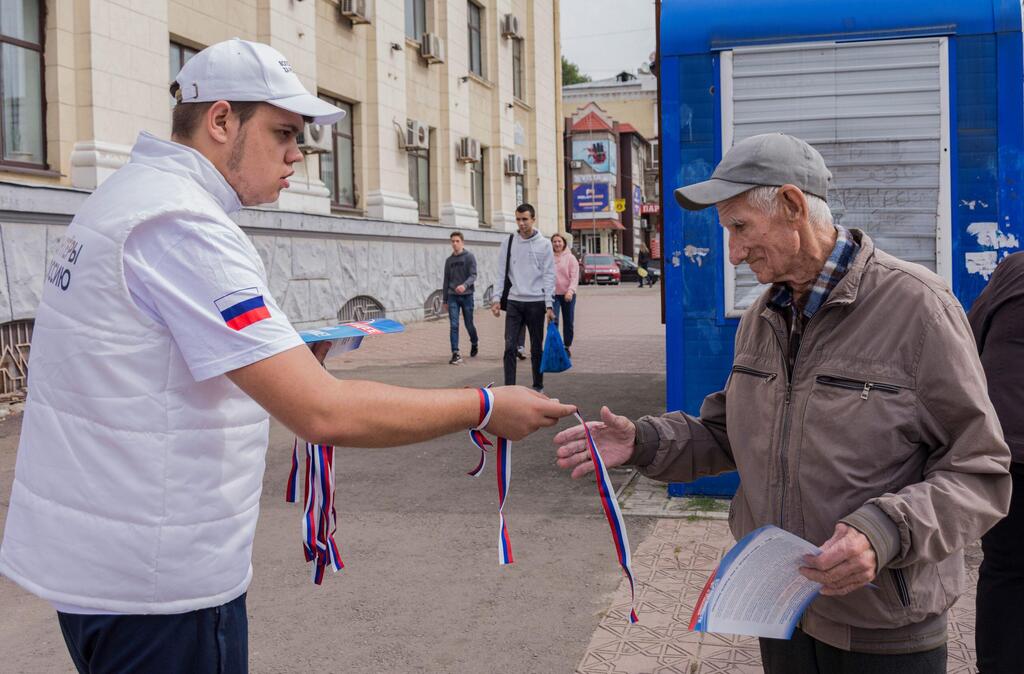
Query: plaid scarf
[[831, 274]]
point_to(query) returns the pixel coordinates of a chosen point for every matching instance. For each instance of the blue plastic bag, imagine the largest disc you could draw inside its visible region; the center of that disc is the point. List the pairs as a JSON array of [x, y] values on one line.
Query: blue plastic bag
[[554, 359]]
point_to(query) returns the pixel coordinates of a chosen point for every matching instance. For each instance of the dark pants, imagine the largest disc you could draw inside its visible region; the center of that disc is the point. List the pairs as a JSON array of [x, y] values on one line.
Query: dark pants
[[209, 641], [806, 655], [999, 627], [465, 303], [530, 314], [565, 313]]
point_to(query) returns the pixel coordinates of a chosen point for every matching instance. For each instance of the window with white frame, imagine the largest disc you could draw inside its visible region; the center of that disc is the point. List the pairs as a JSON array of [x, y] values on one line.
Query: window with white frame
[[415, 19], [476, 47], [419, 179], [337, 167], [22, 117], [479, 183], [517, 69]]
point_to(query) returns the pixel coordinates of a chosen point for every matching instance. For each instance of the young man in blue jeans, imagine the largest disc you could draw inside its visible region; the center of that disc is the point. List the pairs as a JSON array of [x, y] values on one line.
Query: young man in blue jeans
[[459, 277]]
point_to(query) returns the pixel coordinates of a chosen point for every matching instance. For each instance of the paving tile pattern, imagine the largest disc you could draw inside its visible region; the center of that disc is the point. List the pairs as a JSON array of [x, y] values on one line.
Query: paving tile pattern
[[671, 566]]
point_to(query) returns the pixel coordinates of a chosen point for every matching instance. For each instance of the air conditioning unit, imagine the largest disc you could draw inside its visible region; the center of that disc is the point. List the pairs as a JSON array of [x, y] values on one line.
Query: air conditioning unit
[[315, 139], [514, 165], [432, 48], [510, 26], [576, 164], [469, 151], [355, 10], [417, 135]]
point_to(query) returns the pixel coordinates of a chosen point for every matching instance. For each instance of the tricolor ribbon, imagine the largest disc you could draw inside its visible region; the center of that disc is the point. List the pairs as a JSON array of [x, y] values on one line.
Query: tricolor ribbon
[[504, 461], [319, 519], [612, 512]]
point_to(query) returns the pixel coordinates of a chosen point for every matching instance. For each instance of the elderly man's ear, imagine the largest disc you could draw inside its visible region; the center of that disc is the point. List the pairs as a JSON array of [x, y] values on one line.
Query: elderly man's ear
[[793, 203]]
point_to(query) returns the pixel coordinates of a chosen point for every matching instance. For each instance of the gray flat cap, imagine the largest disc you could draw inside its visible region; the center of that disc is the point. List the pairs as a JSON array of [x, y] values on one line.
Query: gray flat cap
[[772, 159]]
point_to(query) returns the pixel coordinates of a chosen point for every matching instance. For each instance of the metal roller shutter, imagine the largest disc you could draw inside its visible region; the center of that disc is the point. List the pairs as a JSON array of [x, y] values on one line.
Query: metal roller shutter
[[875, 112]]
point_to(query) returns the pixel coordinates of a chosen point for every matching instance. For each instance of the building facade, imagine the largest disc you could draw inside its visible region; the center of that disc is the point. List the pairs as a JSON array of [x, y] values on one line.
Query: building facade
[[453, 121], [621, 112]]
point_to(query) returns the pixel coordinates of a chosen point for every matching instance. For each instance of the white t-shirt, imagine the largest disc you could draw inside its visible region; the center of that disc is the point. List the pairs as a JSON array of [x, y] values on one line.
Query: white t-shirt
[[204, 284]]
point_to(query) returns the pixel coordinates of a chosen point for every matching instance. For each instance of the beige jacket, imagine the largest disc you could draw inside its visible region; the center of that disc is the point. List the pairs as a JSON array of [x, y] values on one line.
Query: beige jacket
[[884, 424]]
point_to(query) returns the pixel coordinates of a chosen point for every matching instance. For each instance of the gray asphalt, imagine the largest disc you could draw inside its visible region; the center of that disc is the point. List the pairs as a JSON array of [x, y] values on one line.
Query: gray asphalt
[[422, 590]]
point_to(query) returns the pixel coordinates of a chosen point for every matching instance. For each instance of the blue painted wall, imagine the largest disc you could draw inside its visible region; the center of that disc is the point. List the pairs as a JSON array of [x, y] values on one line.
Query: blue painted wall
[[986, 143]]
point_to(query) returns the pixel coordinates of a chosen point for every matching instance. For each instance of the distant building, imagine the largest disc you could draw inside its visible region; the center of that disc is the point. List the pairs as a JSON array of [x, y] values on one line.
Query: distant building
[[619, 116]]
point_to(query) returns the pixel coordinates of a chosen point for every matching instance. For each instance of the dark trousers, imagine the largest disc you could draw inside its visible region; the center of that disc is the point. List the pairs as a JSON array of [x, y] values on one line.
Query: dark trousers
[[465, 303], [209, 641], [565, 313], [999, 627], [530, 314], [806, 655]]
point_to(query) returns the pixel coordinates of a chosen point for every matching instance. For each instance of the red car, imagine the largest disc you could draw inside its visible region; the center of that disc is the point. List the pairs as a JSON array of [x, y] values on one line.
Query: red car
[[598, 268]]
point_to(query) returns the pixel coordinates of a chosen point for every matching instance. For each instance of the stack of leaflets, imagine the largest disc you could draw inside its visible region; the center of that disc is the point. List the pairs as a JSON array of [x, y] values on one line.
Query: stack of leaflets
[[757, 589]]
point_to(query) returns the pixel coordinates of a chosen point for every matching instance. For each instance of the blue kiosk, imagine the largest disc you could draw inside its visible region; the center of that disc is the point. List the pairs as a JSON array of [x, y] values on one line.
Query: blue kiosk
[[915, 106]]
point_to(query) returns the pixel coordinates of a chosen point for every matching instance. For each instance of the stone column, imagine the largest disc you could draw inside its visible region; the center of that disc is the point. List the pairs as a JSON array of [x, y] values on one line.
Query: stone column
[[121, 83], [384, 118], [290, 28], [456, 193]]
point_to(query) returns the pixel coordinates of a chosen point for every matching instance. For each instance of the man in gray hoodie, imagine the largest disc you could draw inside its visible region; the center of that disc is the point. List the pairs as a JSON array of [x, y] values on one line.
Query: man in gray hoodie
[[527, 265]]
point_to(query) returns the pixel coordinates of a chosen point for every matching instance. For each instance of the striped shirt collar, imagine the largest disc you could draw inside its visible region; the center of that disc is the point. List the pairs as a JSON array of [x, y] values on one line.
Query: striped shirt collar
[[830, 275]]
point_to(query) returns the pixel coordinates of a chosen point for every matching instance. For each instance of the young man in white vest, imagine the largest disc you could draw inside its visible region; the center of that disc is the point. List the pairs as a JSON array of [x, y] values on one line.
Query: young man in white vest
[[157, 354]]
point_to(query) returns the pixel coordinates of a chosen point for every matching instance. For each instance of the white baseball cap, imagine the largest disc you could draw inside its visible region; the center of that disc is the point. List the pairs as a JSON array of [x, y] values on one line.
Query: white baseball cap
[[238, 70]]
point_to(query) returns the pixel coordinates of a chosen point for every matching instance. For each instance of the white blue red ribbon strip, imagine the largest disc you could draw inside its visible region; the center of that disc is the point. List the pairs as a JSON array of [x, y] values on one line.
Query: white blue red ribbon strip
[[476, 434], [319, 519], [612, 513], [504, 466]]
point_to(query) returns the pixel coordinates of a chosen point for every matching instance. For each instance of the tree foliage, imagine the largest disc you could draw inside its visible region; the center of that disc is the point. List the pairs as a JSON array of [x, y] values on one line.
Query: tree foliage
[[571, 73]]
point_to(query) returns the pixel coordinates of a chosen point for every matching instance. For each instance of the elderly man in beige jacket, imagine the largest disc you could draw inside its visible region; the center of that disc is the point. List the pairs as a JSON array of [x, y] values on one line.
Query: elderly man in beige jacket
[[856, 414]]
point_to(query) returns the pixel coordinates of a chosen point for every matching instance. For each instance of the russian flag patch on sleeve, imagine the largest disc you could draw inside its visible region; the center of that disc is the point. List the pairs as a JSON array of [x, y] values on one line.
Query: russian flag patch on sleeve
[[242, 307]]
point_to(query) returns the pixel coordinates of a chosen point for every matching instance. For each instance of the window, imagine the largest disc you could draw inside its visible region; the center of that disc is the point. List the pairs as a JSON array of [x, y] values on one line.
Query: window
[[521, 187], [415, 18], [21, 63], [179, 54], [419, 179], [477, 175], [517, 69], [337, 167], [476, 60]]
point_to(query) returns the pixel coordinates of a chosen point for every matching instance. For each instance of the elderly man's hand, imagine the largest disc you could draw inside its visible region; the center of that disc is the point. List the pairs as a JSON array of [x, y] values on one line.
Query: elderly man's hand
[[614, 436], [847, 562]]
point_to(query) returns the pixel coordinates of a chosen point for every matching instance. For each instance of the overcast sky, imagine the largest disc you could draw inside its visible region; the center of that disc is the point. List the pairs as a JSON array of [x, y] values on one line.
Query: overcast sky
[[604, 37]]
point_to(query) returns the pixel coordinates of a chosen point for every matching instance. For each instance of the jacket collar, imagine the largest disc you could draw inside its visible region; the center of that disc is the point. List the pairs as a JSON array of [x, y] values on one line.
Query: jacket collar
[[846, 290], [166, 155]]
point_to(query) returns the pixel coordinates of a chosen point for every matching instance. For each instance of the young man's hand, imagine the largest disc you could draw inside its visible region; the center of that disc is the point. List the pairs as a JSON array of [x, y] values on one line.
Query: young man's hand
[[460, 289], [519, 411], [496, 309], [614, 436]]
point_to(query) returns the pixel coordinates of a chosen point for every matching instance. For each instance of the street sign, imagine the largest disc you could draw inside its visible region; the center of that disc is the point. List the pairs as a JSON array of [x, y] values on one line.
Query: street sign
[[620, 205], [650, 207], [591, 198]]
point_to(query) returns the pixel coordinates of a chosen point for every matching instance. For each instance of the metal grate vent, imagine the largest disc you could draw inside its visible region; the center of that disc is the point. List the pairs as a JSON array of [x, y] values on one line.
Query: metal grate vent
[[434, 308], [15, 338], [361, 308]]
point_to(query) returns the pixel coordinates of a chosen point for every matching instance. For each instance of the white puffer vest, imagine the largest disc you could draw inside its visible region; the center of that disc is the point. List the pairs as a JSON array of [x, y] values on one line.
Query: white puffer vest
[[136, 489]]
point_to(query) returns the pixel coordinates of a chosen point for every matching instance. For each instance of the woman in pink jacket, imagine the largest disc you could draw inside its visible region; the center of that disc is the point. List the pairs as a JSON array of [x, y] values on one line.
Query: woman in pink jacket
[[567, 277]]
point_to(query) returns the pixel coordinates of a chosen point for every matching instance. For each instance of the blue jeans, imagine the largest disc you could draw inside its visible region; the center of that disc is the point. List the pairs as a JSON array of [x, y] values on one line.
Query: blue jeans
[[464, 302], [568, 312], [213, 640]]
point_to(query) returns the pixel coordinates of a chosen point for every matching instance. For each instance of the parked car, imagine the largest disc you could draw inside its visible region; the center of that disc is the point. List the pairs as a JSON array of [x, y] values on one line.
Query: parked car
[[628, 269], [599, 268]]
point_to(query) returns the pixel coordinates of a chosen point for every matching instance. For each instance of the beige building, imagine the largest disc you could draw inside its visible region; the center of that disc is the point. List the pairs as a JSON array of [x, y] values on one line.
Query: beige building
[[454, 120], [611, 147]]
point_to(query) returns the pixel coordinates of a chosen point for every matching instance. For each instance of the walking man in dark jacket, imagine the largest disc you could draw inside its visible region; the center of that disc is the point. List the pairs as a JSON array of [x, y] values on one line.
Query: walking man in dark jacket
[[457, 293], [997, 319]]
